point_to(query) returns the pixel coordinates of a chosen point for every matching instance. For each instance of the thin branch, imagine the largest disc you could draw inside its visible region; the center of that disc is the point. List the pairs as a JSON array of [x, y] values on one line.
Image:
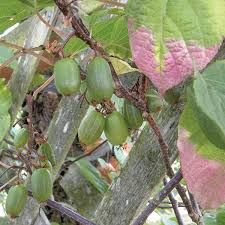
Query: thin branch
[[11, 59], [30, 125], [10, 45], [158, 199], [58, 32], [10, 168], [20, 48], [43, 86], [86, 154], [165, 152], [39, 56], [69, 212], [29, 100], [4, 165], [169, 207], [174, 205], [8, 182], [180, 204], [196, 207]]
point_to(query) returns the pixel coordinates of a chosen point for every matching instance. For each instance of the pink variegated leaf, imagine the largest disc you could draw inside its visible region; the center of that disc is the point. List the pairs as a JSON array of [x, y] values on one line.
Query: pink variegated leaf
[[205, 178], [169, 38]]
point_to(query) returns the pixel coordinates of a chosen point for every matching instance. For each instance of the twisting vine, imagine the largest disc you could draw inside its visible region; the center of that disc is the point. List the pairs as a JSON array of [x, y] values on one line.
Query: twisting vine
[[82, 32]]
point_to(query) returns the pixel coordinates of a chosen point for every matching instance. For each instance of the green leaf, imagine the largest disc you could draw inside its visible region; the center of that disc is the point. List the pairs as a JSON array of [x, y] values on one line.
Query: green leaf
[[120, 156], [198, 138], [113, 35], [5, 98], [220, 216], [207, 100], [14, 11], [92, 175], [121, 66], [74, 46], [5, 122]]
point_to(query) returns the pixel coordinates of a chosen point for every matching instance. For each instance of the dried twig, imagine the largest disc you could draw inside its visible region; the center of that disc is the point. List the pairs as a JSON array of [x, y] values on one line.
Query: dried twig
[[174, 205]]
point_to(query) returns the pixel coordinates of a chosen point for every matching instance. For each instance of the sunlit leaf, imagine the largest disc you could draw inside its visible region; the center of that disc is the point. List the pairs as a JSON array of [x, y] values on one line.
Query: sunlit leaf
[[74, 46], [14, 11], [121, 66]]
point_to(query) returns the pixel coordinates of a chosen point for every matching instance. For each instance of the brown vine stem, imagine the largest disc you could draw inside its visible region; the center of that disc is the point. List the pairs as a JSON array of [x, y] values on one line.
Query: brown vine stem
[[164, 147], [196, 206], [174, 205], [69, 212], [158, 199], [30, 125], [85, 155], [82, 32]]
